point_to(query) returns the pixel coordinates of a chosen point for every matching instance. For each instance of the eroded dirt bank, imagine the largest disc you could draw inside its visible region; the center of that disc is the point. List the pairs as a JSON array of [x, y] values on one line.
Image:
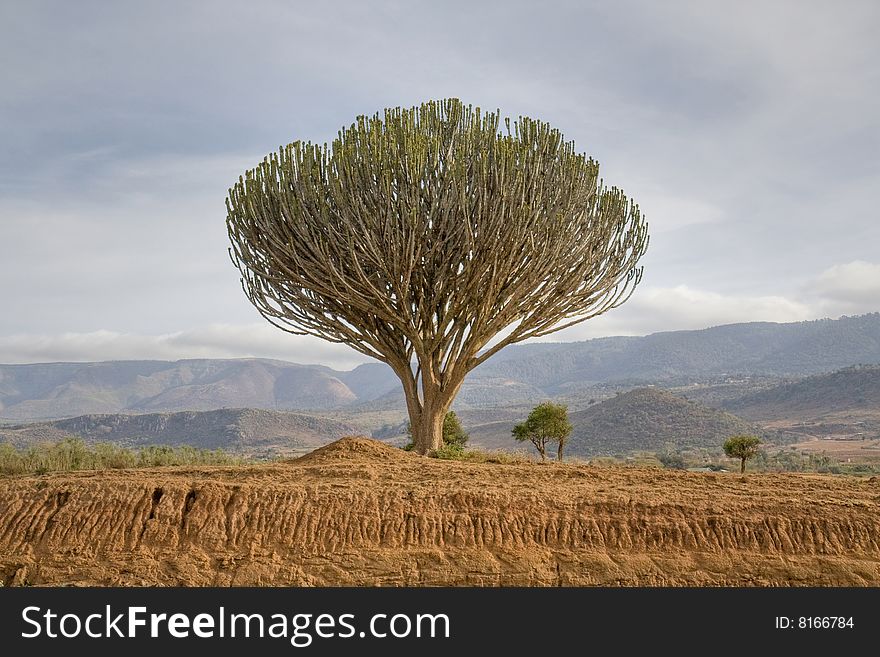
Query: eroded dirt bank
[[360, 513]]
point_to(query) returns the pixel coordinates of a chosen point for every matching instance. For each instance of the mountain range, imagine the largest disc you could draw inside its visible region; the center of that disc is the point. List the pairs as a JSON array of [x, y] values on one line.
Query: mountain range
[[844, 405], [519, 374], [57, 390], [752, 349]]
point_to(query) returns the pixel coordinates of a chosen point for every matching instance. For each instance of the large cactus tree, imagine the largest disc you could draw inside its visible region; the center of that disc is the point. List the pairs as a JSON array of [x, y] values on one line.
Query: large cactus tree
[[430, 238]]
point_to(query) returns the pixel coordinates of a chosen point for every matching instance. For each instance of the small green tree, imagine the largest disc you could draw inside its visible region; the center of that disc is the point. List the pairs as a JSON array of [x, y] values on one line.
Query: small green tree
[[454, 436], [547, 423], [743, 448]]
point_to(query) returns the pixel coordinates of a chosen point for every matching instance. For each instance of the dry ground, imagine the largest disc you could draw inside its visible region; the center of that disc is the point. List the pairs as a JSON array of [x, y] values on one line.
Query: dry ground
[[358, 512], [857, 451]]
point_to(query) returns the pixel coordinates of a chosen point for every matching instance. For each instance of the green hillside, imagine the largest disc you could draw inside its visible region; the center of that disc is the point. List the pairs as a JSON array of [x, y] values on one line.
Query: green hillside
[[653, 420], [239, 430], [642, 420], [853, 389]]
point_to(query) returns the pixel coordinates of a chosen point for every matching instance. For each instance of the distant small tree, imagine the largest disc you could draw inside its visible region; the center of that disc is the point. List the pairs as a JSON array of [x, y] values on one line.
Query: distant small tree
[[547, 423], [743, 448]]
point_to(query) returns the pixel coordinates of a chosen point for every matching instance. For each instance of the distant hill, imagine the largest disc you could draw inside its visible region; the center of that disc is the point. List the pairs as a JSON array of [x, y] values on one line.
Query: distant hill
[[238, 430], [651, 419], [645, 419], [58, 390], [758, 348], [476, 393], [520, 374], [851, 390], [370, 381]]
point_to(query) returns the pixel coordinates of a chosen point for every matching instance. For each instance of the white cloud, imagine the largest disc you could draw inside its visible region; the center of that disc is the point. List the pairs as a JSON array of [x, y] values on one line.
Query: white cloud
[[216, 341], [142, 249], [654, 309], [849, 288], [855, 284], [750, 145]]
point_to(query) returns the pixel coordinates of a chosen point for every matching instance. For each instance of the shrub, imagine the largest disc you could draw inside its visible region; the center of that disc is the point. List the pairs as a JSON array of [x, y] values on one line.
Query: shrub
[[449, 452], [73, 454], [672, 460]]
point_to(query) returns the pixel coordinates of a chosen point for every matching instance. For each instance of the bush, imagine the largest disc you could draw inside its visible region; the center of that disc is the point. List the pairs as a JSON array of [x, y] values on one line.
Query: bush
[[73, 454], [449, 452], [547, 423], [672, 460]]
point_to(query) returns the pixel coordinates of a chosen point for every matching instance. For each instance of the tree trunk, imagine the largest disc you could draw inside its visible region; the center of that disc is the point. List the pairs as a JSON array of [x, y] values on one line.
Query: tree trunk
[[427, 429], [426, 418], [742, 468], [559, 451], [428, 409]]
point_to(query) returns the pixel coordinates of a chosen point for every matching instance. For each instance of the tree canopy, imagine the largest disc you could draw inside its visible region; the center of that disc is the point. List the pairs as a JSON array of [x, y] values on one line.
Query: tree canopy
[[547, 423], [742, 447], [421, 234]]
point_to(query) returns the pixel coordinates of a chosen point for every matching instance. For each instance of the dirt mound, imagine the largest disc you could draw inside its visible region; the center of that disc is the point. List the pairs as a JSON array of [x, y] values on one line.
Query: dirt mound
[[352, 449], [361, 513]]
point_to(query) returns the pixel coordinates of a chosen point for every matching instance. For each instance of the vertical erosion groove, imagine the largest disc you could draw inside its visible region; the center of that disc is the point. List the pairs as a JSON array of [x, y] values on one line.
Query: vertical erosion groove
[[157, 497], [187, 507]]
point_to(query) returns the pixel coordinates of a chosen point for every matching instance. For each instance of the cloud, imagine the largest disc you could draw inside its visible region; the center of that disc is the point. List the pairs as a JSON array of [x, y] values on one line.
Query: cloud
[[848, 288], [216, 341], [750, 145], [667, 212], [141, 249], [855, 286], [654, 309]]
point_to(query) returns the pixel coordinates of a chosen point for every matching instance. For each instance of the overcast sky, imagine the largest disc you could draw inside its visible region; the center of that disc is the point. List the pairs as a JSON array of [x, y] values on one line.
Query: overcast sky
[[748, 132]]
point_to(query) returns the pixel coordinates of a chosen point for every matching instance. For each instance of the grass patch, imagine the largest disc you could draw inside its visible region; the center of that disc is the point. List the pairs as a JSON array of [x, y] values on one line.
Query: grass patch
[[492, 456], [449, 452], [74, 454]]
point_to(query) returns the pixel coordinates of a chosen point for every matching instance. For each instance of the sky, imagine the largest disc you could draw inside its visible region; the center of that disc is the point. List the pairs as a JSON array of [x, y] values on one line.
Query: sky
[[748, 132]]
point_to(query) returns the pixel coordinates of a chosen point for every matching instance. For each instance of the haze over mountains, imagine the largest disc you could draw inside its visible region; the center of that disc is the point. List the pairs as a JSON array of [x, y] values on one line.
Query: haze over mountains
[[56, 390], [518, 375]]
